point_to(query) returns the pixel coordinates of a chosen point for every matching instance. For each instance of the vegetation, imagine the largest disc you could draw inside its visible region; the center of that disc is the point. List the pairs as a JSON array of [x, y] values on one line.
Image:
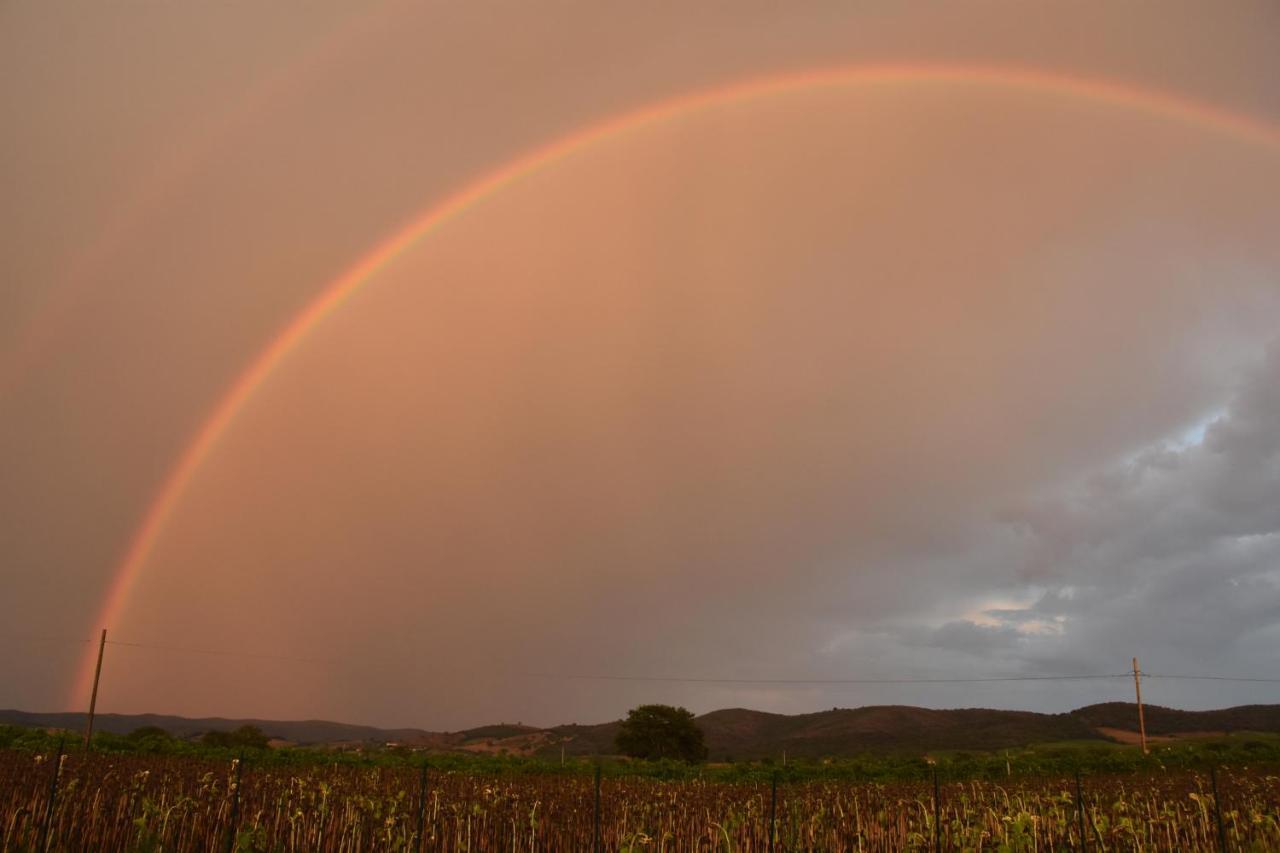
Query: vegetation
[[245, 737], [742, 734], [1051, 759], [655, 732], [184, 802]]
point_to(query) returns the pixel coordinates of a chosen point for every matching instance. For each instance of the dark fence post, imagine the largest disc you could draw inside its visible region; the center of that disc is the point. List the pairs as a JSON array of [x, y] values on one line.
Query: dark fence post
[[1084, 844], [596, 845], [422, 806], [237, 764], [773, 813], [1217, 809], [937, 813], [53, 797]]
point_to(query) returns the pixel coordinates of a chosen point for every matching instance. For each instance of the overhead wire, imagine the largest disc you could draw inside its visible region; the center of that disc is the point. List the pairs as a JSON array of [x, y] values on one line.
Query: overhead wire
[[819, 681], [42, 639], [1210, 677], [218, 652], [676, 679]]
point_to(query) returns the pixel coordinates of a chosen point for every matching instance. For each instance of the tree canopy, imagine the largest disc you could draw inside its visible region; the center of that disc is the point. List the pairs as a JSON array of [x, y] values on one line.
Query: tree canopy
[[661, 731], [245, 737]]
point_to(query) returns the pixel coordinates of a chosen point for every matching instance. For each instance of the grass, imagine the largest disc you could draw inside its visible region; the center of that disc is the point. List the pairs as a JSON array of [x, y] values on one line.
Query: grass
[[1054, 758]]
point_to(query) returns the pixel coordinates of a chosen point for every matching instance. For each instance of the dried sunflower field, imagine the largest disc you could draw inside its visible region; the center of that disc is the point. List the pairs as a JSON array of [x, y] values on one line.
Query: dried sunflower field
[[180, 803]]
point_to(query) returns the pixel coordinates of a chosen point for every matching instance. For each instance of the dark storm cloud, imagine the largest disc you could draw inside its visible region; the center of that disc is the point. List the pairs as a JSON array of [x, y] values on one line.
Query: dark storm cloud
[[1172, 554]]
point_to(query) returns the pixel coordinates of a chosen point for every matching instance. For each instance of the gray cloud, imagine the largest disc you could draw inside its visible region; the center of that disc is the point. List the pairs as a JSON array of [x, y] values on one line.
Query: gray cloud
[[1174, 552]]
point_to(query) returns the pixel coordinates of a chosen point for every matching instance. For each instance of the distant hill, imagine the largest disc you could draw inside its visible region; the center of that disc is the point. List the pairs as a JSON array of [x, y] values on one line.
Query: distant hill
[[744, 734], [751, 734], [737, 732], [295, 731], [1170, 721]]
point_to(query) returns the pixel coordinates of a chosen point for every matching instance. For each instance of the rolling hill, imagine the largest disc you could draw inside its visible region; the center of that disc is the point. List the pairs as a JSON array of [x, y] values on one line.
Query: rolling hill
[[737, 733]]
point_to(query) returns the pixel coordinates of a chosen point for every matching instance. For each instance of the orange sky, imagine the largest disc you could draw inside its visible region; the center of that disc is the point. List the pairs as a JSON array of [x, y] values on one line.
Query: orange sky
[[850, 382]]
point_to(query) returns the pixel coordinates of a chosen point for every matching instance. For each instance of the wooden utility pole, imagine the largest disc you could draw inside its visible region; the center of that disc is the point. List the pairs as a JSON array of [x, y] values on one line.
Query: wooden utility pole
[[93, 697], [1137, 690]]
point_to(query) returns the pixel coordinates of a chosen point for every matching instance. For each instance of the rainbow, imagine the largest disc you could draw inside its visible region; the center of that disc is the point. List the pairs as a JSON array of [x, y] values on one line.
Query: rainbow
[[1010, 79], [147, 197]]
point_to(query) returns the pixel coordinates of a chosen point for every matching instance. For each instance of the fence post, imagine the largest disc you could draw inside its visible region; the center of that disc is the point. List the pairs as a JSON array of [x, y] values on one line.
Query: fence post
[[236, 764], [422, 806], [773, 813], [937, 813], [596, 844], [1217, 809], [53, 797], [1084, 844]]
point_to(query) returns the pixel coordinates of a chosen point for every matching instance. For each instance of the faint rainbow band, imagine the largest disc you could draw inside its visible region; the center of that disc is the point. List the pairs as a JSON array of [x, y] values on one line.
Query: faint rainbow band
[[152, 192]]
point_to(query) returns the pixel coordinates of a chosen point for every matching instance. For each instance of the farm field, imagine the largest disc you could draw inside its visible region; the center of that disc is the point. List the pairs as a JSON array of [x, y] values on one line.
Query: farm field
[[184, 803]]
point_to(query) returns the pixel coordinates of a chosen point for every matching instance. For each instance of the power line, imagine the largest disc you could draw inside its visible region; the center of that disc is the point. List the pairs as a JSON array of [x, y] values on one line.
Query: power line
[[164, 647], [1212, 678], [218, 652], [42, 639], [801, 681], [675, 679]]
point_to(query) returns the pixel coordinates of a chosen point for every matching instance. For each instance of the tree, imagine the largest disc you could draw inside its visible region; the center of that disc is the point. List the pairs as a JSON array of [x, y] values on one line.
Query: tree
[[661, 731], [149, 733], [151, 739], [245, 737]]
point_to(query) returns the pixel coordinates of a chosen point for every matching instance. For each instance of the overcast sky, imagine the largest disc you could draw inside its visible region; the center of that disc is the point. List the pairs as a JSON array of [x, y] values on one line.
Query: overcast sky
[[927, 380]]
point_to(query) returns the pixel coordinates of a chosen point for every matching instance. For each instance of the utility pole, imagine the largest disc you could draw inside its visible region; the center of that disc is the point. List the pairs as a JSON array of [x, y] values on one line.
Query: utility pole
[[1137, 690], [93, 697]]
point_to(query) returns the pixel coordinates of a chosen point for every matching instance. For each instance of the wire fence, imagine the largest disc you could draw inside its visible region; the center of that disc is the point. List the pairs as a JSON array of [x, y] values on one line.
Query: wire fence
[[97, 801]]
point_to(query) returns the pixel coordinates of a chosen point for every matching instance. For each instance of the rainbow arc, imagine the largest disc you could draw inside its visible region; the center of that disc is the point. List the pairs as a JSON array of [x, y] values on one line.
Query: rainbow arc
[[1245, 129]]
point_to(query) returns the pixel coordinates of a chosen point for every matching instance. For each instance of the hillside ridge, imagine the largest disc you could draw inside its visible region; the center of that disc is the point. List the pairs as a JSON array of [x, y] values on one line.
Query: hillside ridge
[[733, 733]]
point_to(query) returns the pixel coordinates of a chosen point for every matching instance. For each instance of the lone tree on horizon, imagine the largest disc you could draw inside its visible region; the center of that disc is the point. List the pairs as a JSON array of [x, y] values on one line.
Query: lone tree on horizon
[[661, 731], [245, 737]]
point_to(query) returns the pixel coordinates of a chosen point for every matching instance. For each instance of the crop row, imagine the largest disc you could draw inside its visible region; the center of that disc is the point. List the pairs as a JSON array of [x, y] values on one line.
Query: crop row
[[113, 802]]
